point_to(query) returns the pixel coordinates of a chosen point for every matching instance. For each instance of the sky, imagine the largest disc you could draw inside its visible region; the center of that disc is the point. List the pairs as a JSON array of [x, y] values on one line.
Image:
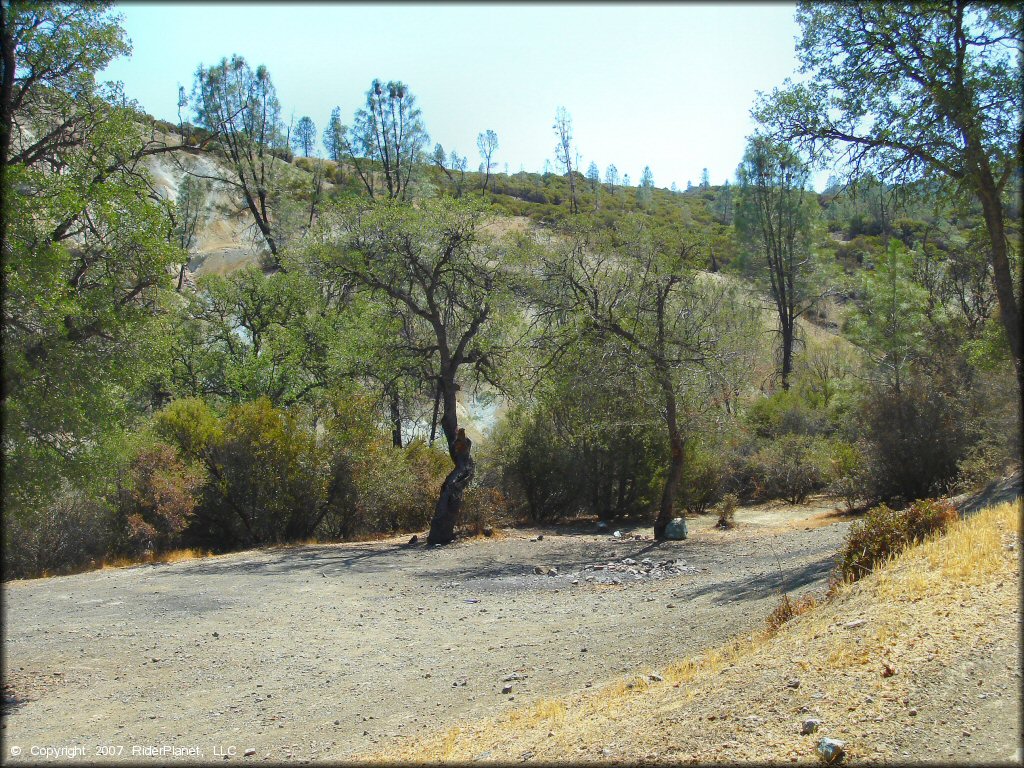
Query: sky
[[664, 85]]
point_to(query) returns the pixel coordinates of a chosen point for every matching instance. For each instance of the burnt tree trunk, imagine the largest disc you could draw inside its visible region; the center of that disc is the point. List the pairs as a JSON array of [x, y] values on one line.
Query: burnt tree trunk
[[449, 503]]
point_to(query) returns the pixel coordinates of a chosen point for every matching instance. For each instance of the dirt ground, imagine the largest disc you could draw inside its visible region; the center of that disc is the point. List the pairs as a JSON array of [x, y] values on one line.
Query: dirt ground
[[323, 652]]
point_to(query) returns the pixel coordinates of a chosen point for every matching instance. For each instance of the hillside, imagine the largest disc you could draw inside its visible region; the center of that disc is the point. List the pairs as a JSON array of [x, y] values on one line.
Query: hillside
[[917, 663]]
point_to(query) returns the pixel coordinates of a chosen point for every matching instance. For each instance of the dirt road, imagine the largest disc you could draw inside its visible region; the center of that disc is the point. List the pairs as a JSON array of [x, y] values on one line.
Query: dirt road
[[321, 652]]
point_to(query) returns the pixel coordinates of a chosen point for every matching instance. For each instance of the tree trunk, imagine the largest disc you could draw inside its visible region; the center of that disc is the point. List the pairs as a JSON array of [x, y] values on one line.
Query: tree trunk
[[433, 419], [6, 121], [675, 472], [395, 406], [787, 351], [1002, 276], [449, 503]]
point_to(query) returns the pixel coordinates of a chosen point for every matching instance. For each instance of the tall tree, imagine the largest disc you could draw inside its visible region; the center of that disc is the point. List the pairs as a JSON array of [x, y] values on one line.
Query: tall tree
[[388, 136], [433, 264], [86, 251], [487, 145], [775, 219], [189, 207], [304, 136], [593, 176], [645, 192], [334, 137], [239, 105], [705, 179], [908, 90], [565, 153], [638, 289], [611, 176]]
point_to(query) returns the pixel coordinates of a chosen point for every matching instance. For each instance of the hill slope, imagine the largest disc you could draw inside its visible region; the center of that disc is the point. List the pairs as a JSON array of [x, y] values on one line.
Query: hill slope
[[945, 616]]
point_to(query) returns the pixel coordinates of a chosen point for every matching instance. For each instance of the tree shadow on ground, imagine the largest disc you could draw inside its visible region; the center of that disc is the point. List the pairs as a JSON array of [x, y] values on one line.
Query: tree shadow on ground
[[461, 559], [772, 583], [322, 559]]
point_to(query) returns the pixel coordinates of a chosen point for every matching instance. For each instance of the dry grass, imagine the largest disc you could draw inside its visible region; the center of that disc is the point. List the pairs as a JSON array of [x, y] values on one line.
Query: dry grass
[[838, 648], [174, 556]]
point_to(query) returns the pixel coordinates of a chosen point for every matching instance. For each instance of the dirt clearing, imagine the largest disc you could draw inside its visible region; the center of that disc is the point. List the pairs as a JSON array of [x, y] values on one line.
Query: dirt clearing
[[326, 652]]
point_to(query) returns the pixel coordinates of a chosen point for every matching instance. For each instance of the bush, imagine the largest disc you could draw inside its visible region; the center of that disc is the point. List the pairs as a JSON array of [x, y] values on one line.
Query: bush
[[72, 530], [271, 477], [850, 472], [727, 511], [918, 435], [787, 609], [584, 447], [784, 413], [482, 509], [884, 532], [703, 476], [793, 466], [156, 498]]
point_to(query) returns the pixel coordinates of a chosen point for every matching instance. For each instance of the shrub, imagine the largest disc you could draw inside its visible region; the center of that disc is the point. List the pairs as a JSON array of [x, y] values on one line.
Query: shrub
[[703, 475], [787, 609], [917, 435], [793, 466], [72, 530], [727, 510], [271, 477], [850, 470], [884, 532], [482, 509], [156, 498], [784, 412], [585, 447]]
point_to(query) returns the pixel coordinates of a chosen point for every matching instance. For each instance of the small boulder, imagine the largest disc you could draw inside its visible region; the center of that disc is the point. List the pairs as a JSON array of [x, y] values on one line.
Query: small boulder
[[831, 751], [552, 571], [810, 725], [794, 683], [414, 540], [250, 752], [506, 689], [540, 570], [676, 529]]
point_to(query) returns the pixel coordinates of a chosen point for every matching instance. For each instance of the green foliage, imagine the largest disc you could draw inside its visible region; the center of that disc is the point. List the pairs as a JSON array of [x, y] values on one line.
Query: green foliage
[[889, 322], [885, 532], [85, 256], [586, 446], [784, 412], [793, 466], [271, 476], [250, 335], [703, 478]]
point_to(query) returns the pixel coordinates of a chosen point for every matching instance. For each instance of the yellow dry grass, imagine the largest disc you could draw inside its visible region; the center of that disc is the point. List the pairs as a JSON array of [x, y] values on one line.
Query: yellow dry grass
[[839, 649], [174, 556]]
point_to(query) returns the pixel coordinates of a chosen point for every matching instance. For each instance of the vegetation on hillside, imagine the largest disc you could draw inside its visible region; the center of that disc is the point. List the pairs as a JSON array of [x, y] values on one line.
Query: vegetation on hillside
[[653, 351]]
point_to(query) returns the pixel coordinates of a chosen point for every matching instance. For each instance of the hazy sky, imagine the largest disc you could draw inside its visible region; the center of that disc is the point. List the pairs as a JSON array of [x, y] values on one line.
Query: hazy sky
[[665, 85]]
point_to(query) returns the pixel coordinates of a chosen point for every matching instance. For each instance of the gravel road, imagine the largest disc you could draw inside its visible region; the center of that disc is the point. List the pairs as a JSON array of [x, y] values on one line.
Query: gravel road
[[319, 652]]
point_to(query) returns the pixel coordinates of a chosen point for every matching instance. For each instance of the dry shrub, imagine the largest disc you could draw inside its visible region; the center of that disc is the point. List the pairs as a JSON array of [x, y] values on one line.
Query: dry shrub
[[156, 500], [482, 508], [787, 609], [884, 532], [727, 510]]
